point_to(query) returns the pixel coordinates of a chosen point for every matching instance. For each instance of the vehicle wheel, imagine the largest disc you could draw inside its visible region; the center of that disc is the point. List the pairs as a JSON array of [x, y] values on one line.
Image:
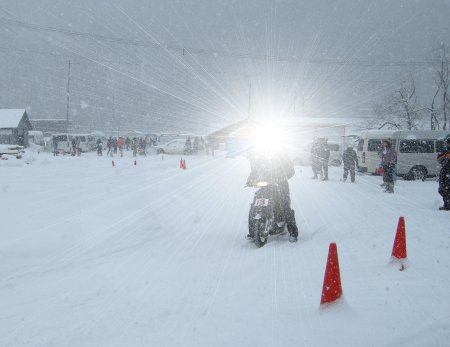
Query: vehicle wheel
[[261, 232], [418, 173]]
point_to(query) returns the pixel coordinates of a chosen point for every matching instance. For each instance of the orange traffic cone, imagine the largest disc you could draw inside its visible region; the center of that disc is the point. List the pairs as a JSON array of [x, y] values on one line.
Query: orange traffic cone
[[332, 289], [399, 248], [113, 163]]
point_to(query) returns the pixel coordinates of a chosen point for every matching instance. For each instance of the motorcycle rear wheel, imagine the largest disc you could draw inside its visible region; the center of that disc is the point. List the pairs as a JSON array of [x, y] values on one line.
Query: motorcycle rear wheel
[[261, 232]]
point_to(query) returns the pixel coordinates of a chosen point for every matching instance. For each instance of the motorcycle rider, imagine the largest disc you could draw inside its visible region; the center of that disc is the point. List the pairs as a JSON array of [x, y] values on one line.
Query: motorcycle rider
[[444, 176], [276, 169]]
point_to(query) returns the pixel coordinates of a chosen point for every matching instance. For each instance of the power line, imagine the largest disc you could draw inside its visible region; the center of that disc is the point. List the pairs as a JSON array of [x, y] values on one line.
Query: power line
[[215, 53], [67, 56]]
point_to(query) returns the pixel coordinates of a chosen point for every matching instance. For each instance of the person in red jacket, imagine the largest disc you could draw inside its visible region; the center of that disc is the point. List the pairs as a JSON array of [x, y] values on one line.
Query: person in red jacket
[[444, 176]]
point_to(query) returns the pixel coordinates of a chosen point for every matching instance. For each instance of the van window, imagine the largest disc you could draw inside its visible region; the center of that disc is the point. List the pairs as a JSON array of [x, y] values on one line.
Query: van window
[[440, 146], [60, 138], [374, 145], [416, 146], [361, 145]]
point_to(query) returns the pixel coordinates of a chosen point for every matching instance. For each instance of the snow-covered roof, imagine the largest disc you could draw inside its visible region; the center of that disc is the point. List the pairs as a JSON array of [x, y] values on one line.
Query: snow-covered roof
[[11, 118], [98, 133]]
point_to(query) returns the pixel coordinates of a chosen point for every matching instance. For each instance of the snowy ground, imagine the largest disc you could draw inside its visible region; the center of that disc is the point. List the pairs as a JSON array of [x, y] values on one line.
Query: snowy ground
[[150, 255]]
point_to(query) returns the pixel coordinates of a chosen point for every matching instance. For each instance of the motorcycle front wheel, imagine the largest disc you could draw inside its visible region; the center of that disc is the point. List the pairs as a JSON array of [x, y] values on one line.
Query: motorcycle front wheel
[[261, 232]]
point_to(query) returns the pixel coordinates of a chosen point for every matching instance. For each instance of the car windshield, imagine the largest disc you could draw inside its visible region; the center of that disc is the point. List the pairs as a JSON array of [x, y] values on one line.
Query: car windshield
[[61, 138]]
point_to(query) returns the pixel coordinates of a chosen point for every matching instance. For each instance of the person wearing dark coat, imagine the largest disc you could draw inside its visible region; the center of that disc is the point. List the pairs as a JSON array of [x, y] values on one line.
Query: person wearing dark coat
[[55, 145], [389, 163], [350, 160], [444, 176], [324, 156], [316, 165]]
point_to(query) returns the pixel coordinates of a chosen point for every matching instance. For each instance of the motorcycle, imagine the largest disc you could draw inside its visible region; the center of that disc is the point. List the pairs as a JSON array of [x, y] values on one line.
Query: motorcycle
[[262, 219]]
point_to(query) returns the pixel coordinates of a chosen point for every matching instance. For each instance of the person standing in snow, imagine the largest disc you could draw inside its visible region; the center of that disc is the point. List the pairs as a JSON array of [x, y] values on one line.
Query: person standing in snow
[[55, 146], [142, 146], [114, 145], [109, 145], [74, 146], [134, 146], [444, 176], [388, 162], [99, 147], [350, 160], [316, 166], [324, 156], [120, 144]]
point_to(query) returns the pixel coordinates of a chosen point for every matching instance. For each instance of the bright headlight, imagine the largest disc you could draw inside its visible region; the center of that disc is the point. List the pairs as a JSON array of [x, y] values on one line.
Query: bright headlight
[[267, 139]]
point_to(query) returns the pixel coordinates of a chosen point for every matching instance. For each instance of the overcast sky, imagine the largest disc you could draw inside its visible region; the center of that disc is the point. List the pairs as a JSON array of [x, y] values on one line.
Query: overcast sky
[[187, 65]]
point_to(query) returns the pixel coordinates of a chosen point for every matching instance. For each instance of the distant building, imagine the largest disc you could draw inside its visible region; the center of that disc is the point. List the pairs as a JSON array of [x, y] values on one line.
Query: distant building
[[52, 126], [14, 127], [220, 137]]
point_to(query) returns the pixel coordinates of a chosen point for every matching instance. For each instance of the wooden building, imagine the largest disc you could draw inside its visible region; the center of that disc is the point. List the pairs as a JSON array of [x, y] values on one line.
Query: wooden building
[[14, 126]]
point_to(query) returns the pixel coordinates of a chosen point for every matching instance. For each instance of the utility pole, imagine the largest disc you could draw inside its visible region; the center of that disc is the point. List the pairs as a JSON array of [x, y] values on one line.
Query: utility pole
[[303, 105], [249, 99], [113, 109], [68, 93]]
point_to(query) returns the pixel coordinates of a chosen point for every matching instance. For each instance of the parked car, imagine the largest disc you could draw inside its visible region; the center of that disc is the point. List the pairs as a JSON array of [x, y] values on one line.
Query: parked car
[[36, 137], [172, 147], [63, 140], [82, 140], [7, 151]]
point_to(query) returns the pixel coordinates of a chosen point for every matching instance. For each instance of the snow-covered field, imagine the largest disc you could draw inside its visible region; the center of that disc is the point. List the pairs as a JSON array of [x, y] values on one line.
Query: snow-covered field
[[151, 255]]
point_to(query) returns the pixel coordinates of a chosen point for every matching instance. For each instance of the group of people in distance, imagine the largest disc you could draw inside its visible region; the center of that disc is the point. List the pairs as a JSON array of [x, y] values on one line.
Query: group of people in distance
[[320, 156]]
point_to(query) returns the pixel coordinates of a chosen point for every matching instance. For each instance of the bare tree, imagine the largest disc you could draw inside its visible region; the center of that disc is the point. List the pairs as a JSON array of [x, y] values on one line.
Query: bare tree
[[407, 104], [444, 82], [383, 118], [434, 122], [401, 110]]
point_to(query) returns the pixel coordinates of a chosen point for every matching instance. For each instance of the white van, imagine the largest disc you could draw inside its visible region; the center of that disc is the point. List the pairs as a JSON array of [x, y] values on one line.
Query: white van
[[166, 137], [82, 140], [92, 139], [63, 140], [36, 137], [369, 147], [416, 152]]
